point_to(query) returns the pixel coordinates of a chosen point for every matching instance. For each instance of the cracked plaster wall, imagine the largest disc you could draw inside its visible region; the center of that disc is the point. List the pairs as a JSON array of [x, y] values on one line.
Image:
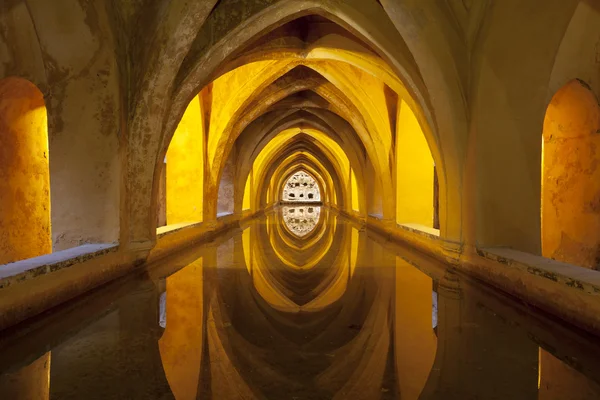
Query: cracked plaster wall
[[66, 49]]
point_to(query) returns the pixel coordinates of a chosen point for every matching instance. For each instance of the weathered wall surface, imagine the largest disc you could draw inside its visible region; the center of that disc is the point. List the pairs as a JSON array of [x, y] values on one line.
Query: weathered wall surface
[[225, 199], [571, 177], [161, 207], [66, 48]]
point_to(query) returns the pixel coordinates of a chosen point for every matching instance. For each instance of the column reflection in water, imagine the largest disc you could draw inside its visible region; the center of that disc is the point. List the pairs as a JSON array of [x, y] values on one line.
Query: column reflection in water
[[265, 313]]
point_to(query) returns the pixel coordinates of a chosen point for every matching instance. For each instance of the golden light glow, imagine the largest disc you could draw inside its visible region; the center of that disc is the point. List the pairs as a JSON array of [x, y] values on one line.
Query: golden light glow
[[416, 345], [246, 205], [185, 168], [24, 172], [414, 172], [355, 203], [353, 251], [181, 344], [570, 179]]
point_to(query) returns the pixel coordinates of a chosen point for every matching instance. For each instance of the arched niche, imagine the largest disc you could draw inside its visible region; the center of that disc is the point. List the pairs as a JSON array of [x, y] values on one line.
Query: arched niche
[[24, 172], [571, 177], [181, 187], [415, 173]]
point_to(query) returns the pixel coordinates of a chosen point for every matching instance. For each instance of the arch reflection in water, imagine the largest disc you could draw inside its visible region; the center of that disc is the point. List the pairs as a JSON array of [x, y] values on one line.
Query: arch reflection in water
[[301, 220], [337, 315]]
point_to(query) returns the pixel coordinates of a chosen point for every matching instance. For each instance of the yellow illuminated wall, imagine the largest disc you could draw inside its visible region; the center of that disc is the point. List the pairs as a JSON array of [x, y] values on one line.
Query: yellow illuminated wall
[[246, 205], [414, 171], [185, 168], [353, 250], [355, 205], [24, 172], [247, 246], [570, 179]]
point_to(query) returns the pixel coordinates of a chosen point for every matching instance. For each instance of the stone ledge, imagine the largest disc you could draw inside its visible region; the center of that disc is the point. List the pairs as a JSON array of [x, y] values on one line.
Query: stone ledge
[[421, 230], [33, 267], [176, 237], [566, 291], [168, 229], [584, 279]]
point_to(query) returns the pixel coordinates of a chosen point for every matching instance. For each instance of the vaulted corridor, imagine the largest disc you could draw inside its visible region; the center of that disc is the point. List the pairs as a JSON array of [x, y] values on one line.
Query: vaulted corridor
[[326, 199]]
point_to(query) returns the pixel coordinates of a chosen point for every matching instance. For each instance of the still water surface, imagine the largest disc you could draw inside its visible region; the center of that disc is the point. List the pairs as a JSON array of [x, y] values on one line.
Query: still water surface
[[300, 304]]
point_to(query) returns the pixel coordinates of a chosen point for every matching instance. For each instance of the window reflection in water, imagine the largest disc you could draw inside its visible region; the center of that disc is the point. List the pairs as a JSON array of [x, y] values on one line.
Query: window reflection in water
[[301, 220], [162, 310]]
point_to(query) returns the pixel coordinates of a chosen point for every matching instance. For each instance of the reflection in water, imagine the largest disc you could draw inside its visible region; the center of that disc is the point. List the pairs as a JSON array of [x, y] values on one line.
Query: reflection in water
[[162, 321], [301, 220], [335, 314]]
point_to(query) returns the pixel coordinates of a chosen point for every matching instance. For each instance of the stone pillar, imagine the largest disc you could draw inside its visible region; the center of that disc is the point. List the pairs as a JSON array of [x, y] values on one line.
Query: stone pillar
[[161, 209]]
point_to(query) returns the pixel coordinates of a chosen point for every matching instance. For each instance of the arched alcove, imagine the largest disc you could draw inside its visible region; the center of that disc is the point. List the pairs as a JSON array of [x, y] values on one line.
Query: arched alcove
[[415, 172], [182, 179], [24, 172], [571, 177]]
